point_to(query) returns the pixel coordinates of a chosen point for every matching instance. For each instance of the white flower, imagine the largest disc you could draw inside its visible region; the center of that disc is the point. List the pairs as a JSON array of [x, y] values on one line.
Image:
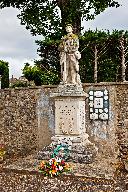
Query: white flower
[[58, 160], [60, 168], [50, 161]]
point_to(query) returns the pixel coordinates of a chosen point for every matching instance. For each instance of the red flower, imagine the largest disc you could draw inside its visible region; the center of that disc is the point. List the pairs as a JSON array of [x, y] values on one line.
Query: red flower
[[53, 166], [62, 162]]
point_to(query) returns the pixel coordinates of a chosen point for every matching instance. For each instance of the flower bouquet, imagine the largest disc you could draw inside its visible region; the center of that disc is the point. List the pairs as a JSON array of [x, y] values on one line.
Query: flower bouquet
[[54, 167]]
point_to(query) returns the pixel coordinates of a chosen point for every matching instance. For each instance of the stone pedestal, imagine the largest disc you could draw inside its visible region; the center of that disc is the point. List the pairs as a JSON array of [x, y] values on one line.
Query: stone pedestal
[[69, 115], [70, 125]]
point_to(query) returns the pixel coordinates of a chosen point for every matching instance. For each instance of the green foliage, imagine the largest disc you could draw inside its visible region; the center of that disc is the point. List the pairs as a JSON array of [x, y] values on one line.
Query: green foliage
[[39, 76], [42, 16], [47, 70], [109, 56], [4, 72], [28, 72]]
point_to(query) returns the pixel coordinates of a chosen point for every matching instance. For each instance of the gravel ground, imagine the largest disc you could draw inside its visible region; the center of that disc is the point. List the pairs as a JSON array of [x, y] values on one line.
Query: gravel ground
[[25, 181], [21, 175]]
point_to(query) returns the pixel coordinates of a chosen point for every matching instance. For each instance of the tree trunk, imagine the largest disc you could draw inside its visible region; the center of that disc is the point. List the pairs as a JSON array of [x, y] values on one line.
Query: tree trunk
[[70, 14], [95, 65], [122, 58]]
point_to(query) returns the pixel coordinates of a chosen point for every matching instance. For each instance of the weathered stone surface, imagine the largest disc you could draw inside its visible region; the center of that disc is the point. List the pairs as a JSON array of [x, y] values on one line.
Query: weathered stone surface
[[26, 115], [70, 124], [23, 125], [68, 90], [69, 116], [122, 135], [69, 56], [25, 181], [102, 133], [79, 152]]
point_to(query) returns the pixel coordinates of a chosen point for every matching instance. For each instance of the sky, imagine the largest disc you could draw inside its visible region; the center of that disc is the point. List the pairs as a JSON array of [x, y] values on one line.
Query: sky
[[17, 45]]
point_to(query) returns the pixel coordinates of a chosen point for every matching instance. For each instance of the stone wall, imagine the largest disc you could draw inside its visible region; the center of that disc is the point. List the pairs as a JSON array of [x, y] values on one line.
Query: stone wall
[[102, 132], [24, 119], [18, 119], [122, 119], [27, 118], [122, 135]]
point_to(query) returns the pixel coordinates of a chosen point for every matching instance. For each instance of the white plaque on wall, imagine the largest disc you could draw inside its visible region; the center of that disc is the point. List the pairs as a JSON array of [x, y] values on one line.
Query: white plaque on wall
[[99, 104]]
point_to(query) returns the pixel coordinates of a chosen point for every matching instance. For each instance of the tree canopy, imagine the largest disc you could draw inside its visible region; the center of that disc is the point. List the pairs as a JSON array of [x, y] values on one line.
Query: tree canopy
[[40, 76], [48, 17], [109, 59]]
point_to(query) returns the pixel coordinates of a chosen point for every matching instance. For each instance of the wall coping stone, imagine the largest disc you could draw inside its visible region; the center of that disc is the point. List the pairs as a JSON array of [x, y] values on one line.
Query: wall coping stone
[[55, 86]]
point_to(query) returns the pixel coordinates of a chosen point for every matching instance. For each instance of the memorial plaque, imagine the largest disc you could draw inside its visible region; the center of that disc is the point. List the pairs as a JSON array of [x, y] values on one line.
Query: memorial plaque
[[70, 116], [99, 104]]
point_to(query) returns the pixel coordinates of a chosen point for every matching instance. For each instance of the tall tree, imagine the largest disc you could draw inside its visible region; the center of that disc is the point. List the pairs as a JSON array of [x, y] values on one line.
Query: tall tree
[[123, 47], [46, 17], [101, 54]]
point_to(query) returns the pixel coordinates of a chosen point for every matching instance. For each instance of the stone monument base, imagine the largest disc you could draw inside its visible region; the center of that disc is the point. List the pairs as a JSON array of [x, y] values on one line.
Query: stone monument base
[[81, 150], [68, 90], [71, 140]]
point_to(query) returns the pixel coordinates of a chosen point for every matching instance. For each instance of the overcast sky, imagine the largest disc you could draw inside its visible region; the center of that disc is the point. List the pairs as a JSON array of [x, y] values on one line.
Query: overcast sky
[[17, 45]]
